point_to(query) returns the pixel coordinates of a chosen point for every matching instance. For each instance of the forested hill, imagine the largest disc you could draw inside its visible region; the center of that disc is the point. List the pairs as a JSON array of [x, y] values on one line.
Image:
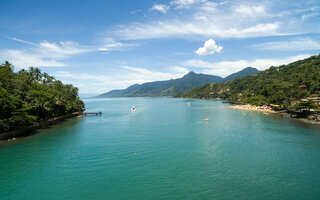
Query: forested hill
[[29, 97], [175, 86], [276, 85], [249, 71], [164, 88]]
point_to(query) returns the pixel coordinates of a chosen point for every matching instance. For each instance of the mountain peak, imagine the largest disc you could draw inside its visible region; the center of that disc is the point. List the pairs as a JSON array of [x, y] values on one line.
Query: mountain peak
[[191, 73], [248, 71]]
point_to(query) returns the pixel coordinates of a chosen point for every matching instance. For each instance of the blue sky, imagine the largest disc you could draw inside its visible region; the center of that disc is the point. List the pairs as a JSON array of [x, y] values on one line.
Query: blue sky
[[103, 45]]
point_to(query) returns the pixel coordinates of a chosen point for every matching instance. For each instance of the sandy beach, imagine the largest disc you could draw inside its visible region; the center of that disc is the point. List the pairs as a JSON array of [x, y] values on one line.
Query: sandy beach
[[254, 108]]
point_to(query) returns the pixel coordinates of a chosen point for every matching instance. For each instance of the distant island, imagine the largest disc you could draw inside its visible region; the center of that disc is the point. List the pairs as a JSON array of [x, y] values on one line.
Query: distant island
[[30, 98], [175, 86]]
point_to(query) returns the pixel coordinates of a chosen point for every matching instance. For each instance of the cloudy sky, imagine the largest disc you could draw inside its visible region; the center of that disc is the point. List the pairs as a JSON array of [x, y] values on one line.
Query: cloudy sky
[[104, 45]]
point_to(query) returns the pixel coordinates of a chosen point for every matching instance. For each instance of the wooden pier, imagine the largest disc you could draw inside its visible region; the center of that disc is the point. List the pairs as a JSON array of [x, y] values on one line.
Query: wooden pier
[[92, 113]]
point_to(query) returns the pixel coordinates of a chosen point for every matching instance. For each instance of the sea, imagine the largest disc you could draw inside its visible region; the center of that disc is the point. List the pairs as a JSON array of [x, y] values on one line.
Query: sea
[[164, 150]]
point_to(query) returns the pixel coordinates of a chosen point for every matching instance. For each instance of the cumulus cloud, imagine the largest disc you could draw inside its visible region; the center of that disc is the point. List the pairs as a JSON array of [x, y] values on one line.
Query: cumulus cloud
[[296, 44], [160, 7], [210, 47], [225, 68]]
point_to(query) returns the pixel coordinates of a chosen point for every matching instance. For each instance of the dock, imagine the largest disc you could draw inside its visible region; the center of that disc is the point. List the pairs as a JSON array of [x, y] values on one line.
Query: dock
[[92, 113]]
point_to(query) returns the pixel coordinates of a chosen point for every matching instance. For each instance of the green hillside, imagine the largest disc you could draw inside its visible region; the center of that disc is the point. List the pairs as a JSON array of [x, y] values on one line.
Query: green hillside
[[175, 86], [276, 85], [29, 97], [164, 88]]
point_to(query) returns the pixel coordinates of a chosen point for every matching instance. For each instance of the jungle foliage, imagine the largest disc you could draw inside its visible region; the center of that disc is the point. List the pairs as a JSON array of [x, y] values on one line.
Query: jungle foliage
[[28, 97]]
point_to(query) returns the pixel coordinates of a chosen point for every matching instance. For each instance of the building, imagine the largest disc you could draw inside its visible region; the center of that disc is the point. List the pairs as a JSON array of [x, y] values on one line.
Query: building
[[302, 87]]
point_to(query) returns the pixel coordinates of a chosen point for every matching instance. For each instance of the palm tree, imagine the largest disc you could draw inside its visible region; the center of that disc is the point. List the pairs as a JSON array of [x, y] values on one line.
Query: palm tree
[[8, 65]]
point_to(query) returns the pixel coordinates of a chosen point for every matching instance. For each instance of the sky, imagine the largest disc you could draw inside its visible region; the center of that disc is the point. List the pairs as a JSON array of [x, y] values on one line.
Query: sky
[[102, 45]]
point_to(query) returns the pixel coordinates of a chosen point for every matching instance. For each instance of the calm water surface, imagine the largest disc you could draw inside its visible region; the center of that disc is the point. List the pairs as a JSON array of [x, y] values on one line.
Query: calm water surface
[[235, 155]]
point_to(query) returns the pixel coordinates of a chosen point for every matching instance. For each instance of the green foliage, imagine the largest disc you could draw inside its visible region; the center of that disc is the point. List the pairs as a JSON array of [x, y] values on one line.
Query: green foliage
[[29, 97], [301, 105], [276, 85]]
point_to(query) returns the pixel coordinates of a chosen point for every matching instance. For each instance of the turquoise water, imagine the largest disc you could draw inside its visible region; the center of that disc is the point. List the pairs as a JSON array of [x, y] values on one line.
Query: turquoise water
[[235, 155]]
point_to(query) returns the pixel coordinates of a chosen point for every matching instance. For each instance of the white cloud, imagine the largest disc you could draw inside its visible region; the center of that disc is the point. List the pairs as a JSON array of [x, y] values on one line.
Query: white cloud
[[22, 59], [226, 19], [112, 45], [116, 46], [249, 10], [296, 44], [210, 47], [160, 7], [43, 54], [184, 29], [179, 70], [207, 19], [22, 41], [135, 12], [225, 68], [186, 3], [61, 50], [308, 16], [148, 75], [125, 77]]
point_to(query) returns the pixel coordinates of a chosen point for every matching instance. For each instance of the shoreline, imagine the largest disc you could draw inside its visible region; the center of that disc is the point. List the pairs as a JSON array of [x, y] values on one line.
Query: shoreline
[[30, 130], [268, 110]]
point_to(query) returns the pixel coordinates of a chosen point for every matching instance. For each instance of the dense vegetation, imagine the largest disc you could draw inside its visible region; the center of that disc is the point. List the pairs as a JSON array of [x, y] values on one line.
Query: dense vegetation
[[28, 97], [276, 85]]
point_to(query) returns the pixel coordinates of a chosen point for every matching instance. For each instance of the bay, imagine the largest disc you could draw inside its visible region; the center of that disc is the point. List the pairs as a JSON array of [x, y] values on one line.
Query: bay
[[164, 150]]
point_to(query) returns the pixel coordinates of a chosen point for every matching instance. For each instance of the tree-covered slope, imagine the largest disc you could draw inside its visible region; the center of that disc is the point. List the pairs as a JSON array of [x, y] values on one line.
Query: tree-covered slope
[[276, 85], [29, 97], [175, 86], [249, 71], [164, 88]]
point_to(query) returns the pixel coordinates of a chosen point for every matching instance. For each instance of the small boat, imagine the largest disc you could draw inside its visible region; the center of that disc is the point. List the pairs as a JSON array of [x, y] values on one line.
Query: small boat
[[206, 119]]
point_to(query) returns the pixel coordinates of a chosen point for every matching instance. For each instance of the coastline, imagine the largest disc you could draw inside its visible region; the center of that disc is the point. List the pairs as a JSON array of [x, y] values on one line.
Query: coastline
[[30, 130], [268, 110]]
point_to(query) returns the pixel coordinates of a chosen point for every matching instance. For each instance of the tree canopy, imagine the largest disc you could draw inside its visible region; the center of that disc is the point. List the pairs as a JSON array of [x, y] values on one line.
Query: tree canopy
[[28, 97]]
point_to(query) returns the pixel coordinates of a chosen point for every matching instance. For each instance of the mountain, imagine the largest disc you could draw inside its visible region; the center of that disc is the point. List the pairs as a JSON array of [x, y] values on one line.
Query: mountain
[[175, 86], [276, 85], [165, 88], [249, 71]]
